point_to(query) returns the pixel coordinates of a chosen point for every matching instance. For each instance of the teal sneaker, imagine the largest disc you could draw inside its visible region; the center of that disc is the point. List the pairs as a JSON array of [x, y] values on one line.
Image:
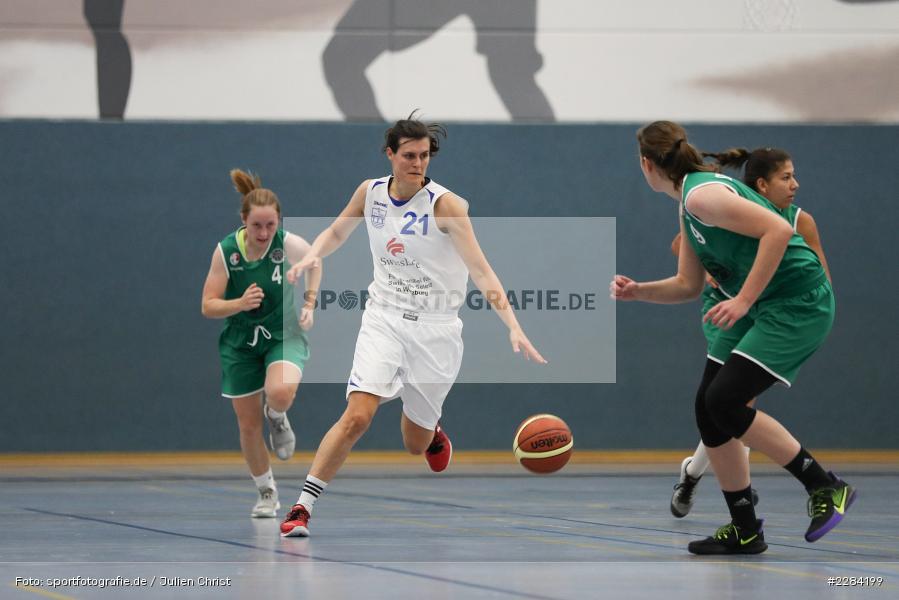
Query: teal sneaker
[[827, 506], [730, 539]]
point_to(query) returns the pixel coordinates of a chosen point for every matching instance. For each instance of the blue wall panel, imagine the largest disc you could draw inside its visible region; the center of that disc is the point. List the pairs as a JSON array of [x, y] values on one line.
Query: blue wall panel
[[110, 228]]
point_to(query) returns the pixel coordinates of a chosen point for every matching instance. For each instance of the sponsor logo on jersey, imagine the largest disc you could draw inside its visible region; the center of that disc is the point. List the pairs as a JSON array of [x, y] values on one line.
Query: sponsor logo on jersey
[[719, 272], [696, 234], [378, 214], [234, 258], [395, 247], [277, 255], [403, 262]]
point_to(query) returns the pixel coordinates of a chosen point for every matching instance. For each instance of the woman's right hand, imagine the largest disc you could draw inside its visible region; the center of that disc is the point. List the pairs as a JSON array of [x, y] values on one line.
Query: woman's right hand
[[310, 261], [623, 288], [252, 298]]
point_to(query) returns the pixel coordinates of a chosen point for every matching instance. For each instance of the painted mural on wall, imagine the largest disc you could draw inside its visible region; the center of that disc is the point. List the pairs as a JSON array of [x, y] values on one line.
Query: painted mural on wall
[[490, 60]]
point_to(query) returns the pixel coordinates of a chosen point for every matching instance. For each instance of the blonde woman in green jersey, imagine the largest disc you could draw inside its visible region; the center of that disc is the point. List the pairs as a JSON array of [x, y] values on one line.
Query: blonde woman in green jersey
[[263, 346], [780, 303], [770, 172]]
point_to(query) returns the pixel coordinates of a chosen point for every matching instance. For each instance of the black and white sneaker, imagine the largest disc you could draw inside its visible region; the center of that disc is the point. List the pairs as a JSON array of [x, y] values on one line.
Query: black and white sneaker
[[682, 498]]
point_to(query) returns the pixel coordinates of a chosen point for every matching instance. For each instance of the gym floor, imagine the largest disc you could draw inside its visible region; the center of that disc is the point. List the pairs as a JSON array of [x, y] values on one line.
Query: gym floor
[[388, 528]]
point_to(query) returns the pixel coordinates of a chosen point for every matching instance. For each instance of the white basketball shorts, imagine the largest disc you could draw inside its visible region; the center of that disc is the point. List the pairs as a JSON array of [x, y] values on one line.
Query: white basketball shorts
[[415, 356]]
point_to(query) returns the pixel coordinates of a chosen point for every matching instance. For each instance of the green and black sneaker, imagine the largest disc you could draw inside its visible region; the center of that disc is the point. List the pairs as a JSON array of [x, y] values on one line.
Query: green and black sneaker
[[827, 506], [730, 539]]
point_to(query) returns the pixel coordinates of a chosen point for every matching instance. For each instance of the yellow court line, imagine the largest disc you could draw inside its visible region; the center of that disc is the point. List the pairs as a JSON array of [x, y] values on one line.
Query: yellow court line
[[364, 457], [39, 591]]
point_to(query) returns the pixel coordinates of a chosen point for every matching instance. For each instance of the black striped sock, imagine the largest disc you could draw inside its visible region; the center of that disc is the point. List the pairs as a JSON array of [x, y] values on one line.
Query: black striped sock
[[312, 489]]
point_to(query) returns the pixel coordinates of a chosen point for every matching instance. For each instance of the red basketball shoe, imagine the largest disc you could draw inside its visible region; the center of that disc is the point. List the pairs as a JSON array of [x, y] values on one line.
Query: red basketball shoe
[[296, 523], [440, 452]]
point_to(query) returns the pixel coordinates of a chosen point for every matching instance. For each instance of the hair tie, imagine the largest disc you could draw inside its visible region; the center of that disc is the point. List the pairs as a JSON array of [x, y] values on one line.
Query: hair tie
[[670, 154]]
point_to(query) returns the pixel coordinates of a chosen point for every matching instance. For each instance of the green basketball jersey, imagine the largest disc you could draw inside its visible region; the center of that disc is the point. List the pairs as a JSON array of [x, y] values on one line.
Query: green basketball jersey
[[791, 214], [728, 256], [267, 273]]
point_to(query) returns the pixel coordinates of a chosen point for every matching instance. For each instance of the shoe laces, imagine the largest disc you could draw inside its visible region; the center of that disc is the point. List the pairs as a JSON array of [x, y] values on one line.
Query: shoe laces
[[819, 501], [296, 512], [267, 494], [437, 443], [723, 532], [686, 488], [279, 424]]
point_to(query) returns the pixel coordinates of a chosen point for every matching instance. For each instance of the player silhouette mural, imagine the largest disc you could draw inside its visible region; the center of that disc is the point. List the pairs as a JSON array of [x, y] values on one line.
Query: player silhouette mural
[[506, 36], [113, 56]]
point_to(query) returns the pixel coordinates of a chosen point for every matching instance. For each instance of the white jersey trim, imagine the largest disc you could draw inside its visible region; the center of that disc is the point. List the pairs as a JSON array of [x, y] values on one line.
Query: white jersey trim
[[762, 365], [694, 188], [243, 395], [239, 249], [289, 362], [224, 260], [796, 220], [713, 359]]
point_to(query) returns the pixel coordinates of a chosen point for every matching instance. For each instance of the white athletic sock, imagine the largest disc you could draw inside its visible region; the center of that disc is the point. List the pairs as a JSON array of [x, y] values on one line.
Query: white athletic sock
[[273, 414], [700, 462], [312, 489], [266, 480]]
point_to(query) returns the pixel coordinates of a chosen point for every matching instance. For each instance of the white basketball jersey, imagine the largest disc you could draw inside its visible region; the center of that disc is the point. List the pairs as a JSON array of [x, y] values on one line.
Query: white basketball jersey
[[416, 266]]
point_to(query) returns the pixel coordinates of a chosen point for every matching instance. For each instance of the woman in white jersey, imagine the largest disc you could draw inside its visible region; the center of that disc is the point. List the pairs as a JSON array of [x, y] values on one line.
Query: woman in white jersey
[[423, 249], [770, 172]]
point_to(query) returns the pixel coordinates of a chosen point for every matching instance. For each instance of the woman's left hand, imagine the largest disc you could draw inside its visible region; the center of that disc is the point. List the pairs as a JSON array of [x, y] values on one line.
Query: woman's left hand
[[726, 314], [521, 343], [306, 318]]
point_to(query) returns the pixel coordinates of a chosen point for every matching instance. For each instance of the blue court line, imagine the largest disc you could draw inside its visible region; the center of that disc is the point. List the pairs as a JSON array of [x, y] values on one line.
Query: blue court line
[[168, 476], [388, 499], [637, 527], [623, 541], [375, 567], [597, 523]]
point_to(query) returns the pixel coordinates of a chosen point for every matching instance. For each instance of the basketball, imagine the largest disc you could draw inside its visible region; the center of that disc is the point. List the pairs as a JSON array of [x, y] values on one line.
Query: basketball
[[543, 443]]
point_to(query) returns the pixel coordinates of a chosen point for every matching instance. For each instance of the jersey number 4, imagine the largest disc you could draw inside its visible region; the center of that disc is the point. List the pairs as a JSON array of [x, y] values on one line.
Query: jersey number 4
[[276, 274], [409, 226]]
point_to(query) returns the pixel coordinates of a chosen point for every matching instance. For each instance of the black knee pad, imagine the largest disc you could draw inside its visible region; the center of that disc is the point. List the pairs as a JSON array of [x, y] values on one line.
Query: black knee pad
[[710, 433], [739, 381], [727, 409]]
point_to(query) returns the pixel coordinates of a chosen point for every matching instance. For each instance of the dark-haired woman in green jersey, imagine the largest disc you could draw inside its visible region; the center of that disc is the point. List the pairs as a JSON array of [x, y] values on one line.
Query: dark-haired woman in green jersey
[[770, 172], [778, 299]]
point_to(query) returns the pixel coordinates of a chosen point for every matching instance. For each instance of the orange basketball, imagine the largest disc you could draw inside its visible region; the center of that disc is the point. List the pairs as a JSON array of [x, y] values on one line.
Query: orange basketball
[[543, 443]]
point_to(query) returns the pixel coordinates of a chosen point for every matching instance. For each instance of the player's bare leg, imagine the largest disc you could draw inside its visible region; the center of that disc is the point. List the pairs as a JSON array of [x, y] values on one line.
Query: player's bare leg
[[343, 435]]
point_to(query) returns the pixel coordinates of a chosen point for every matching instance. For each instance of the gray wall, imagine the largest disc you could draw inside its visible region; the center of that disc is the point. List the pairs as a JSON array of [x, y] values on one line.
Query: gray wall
[[110, 228]]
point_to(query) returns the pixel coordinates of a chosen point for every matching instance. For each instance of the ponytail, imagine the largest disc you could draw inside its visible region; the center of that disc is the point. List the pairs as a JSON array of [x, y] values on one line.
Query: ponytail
[[249, 185], [733, 158], [245, 182], [760, 163], [665, 144]]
